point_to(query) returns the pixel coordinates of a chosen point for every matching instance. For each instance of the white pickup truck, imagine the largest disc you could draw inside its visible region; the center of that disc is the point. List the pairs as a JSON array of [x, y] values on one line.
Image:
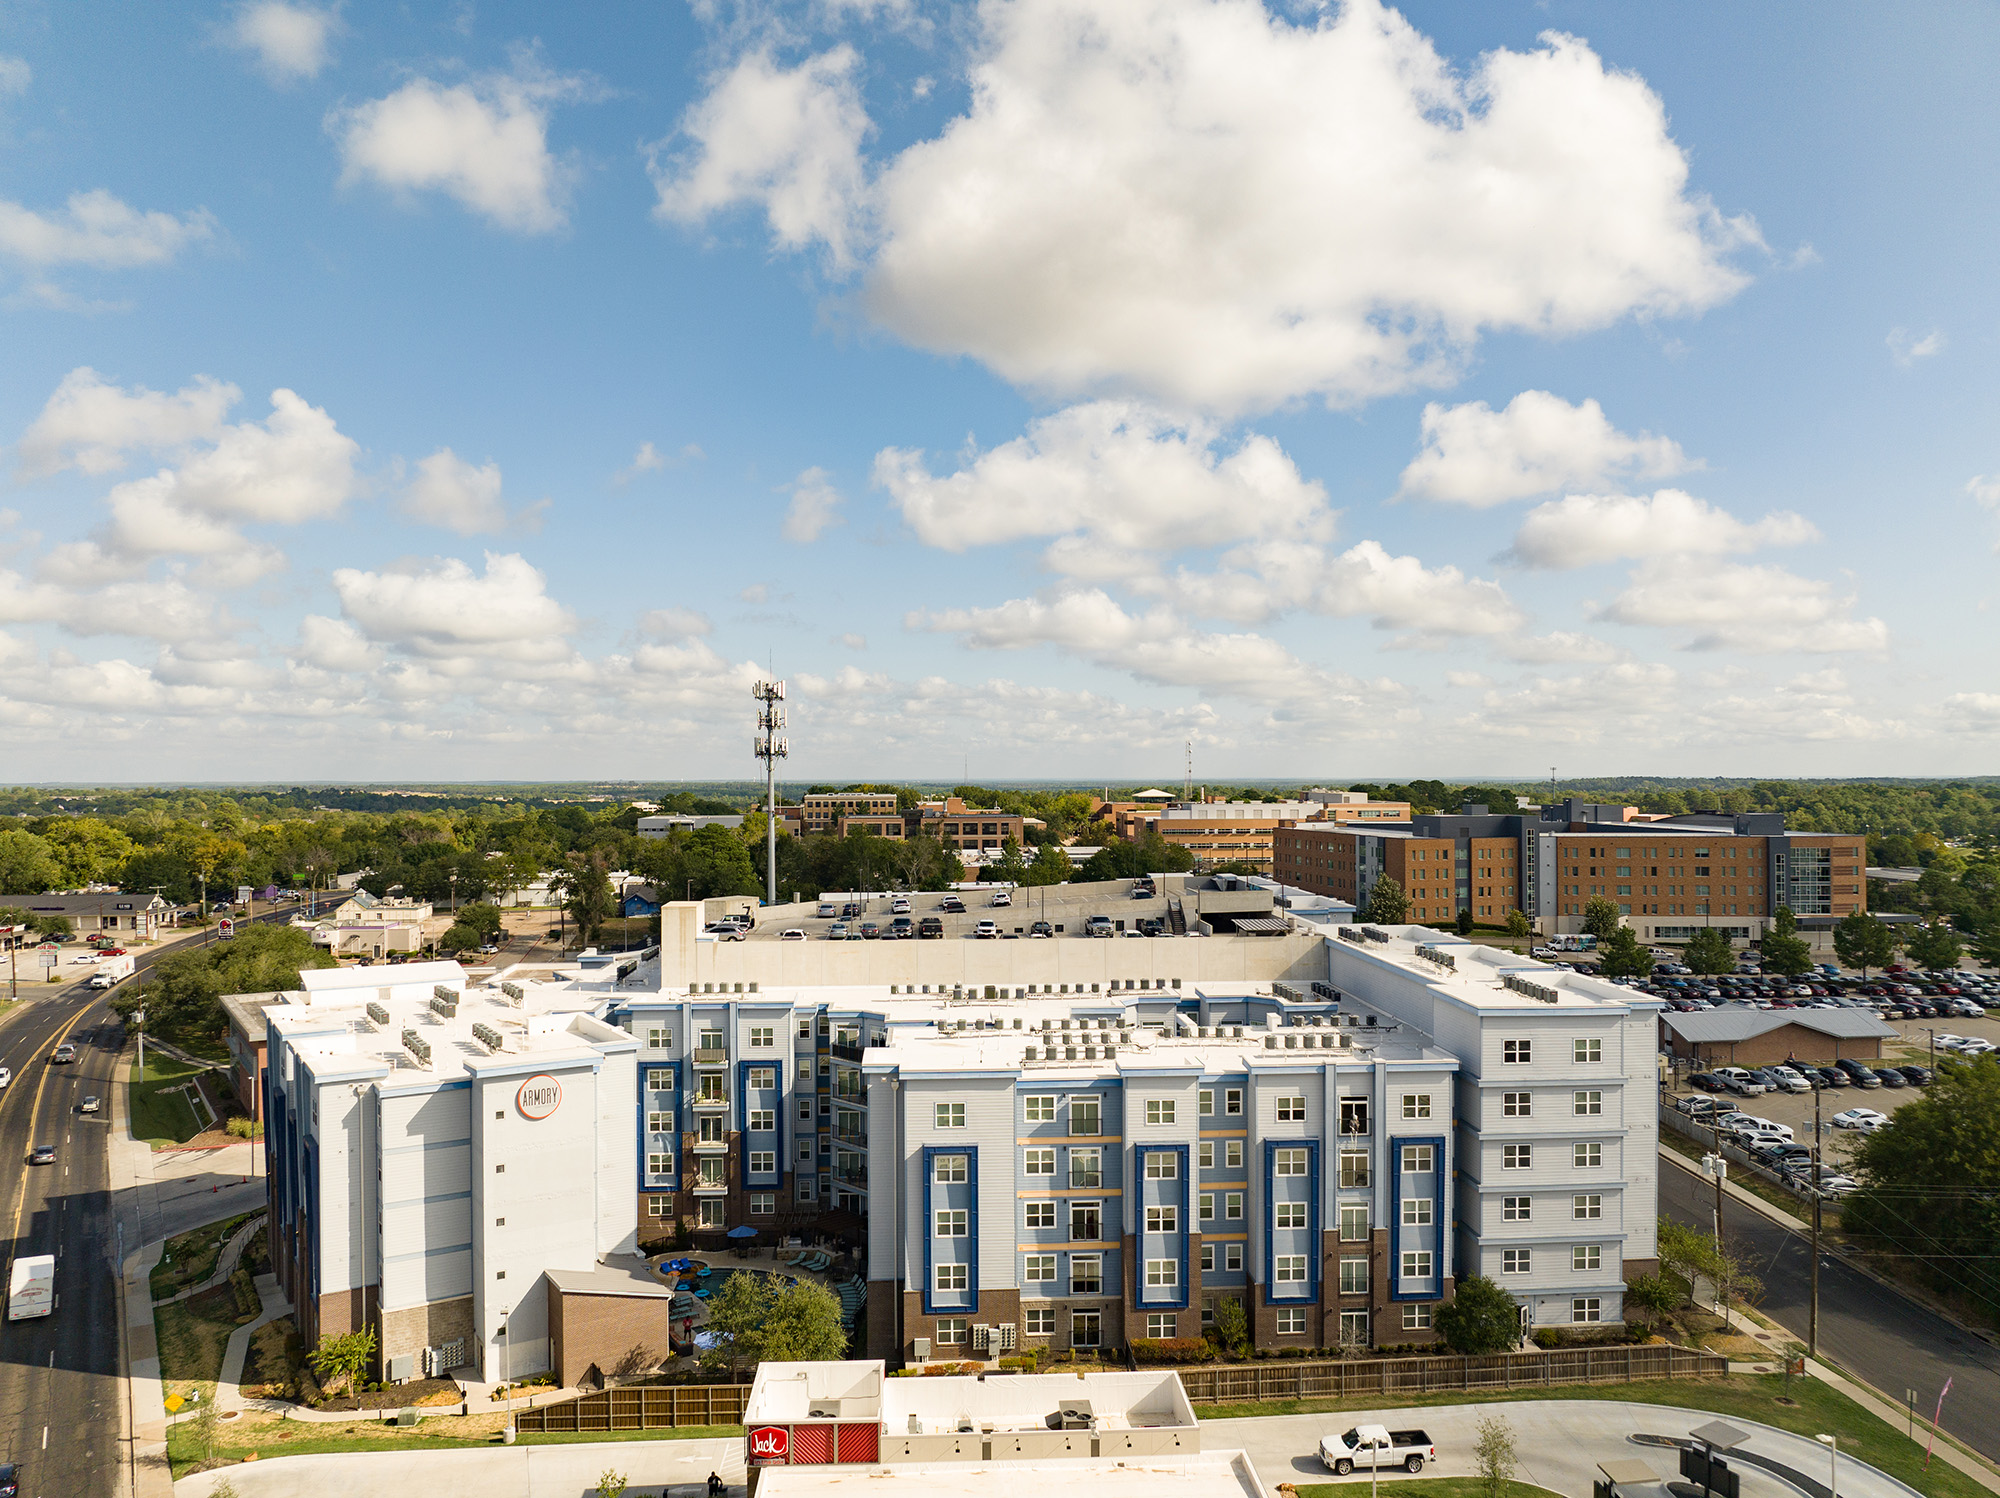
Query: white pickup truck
[[1377, 1446]]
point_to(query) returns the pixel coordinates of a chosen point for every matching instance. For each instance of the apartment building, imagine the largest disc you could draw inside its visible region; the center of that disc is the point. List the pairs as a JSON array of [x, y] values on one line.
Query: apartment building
[[1670, 876], [967, 829], [824, 810]]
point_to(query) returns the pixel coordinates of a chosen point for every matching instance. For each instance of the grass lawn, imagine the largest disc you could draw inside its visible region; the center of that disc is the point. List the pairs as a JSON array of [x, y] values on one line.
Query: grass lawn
[[193, 1335], [191, 1257], [1746, 1396], [1424, 1487], [270, 1437], [158, 1116]]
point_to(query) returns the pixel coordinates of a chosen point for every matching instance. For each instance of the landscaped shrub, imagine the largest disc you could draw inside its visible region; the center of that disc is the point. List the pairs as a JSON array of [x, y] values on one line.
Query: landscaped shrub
[[1171, 1349], [1551, 1336]]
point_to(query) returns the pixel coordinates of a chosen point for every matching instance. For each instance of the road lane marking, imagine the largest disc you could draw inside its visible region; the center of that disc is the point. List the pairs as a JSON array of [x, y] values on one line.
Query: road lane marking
[[21, 1191]]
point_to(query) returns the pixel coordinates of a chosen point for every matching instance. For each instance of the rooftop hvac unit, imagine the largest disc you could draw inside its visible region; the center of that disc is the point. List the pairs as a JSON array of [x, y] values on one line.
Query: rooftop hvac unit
[[487, 1036], [379, 1013], [823, 1409], [417, 1046], [443, 994], [1075, 1414], [445, 1008]]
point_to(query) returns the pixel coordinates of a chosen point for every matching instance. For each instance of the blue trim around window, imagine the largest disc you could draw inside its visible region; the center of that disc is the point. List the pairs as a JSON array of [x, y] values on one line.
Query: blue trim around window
[[672, 1180], [1396, 1290], [971, 1153], [775, 1177], [1184, 1207], [1313, 1234]]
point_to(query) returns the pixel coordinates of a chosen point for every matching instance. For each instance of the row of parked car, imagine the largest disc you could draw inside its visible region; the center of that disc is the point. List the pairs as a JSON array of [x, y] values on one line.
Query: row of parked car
[[1799, 1076], [1771, 1144]]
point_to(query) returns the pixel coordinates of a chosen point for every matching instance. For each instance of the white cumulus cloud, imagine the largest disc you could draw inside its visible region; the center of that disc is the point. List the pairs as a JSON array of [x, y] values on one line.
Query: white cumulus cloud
[[15, 76], [1536, 443], [290, 41], [446, 612], [483, 142], [815, 506], [1583, 529], [1726, 606], [97, 229], [93, 425], [1907, 348], [450, 492]]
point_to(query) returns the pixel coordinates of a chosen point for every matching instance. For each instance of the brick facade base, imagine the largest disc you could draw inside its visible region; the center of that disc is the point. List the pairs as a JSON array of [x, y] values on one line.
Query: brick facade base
[[411, 1330], [595, 1337], [996, 1308]]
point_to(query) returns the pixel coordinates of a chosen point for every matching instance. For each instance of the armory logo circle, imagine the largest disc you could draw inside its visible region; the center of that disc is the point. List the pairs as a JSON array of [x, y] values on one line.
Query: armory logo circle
[[539, 1096]]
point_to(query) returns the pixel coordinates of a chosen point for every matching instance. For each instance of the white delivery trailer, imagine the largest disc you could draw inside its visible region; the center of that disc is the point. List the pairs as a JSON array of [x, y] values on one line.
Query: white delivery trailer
[[31, 1287], [111, 969]]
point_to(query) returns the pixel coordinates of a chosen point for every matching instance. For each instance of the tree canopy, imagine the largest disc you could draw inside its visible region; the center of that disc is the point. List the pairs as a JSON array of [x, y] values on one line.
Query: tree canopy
[[767, 1319], [182, 991], [1708, 951], [1387, 904], [1785, 951], [1480, 1318], [1860, 940]]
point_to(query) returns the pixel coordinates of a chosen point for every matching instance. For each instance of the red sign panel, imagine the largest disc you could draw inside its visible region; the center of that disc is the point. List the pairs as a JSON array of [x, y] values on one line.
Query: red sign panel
[[860, 1442], [769, 1443], [812, 1445]]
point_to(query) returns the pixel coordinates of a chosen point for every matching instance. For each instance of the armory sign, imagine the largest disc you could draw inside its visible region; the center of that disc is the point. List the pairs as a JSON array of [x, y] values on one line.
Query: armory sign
[[539, 1096]]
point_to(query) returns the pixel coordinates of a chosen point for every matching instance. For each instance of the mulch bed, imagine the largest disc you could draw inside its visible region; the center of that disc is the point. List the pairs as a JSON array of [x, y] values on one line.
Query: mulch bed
[[402, 1396]]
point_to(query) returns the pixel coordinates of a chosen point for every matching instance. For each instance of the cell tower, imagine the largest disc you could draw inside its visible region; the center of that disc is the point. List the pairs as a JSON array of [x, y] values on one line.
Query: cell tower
[[770, 748]]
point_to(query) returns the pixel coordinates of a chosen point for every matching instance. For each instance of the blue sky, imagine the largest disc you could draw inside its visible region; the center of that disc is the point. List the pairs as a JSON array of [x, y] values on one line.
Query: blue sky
[[1036, 386]]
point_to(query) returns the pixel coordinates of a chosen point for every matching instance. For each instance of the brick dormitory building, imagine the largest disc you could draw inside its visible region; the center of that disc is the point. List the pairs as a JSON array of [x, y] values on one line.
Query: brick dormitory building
[[1668, 876]]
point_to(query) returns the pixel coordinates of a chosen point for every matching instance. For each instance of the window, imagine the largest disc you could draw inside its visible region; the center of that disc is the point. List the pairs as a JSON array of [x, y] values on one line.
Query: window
[[763, 1078], [763, 1204], [952, 1331], [1354, 1329], [1232, 1154], [1416, 1318], [1417, 1265], [1585, 1256], [1084, 1116], [1086, 1221], [1417, 1159], [1232, 1206], [659, 1123], [1517, 1208], [1204, 1104], [1086, 1328], [948, 1115], [659, 1164], [1416, 1211], [763, 1120], [762, 1037], [805, 1068], [804, 1190], [1165, 1273], [710, 1131], [1416, 1105], [1293, 1110], [805, 1149], [711, 1088], [1353, 1223], [1353, 1276], [1086, 1168], [1586, 1308], [1517, 1260], [1039, 1109], [1516, 1104], [1041, 1322], [764, 1162], [948, 1170], [1589, 1156], [1038, 1269], [1353, 1114], [1289, 1162], [1291, 1323], [659, 1079], [659, 1040], [1205, 1207], [1038, 1162], [1587, 1104], [708, 1212], [1288, 1215], [1232, 1100], [1517, 1156], [1208, 1258], [1291, 1268], [1161, 1166], [1353, 1168], [1159, 1110], [1586, 1208], [1206, 1157], [1232, 1258], [951, 1223], [1039, 1214], [805, 1027], [1163, 1219], [1086, 1274], [1517, 1052], [711, 1040]]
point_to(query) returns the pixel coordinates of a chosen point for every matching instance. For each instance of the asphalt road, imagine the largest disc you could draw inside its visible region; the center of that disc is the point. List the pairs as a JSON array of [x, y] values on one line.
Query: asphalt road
[[1865, 1327]]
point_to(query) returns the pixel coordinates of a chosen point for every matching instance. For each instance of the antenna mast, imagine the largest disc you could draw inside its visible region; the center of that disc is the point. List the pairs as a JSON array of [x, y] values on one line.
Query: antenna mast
[[768, 747], [1187, 782]]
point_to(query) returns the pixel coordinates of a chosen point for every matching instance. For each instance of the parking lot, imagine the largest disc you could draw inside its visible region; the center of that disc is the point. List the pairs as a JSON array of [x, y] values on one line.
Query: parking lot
[[1063, 907]]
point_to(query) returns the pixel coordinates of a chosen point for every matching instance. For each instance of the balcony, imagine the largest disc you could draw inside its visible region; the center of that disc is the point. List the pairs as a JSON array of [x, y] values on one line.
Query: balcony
[[711, 1188], [851, 1175], [710, 1102], [1086, 1180], [711, 1056], [847, 1050], [711, 1146]]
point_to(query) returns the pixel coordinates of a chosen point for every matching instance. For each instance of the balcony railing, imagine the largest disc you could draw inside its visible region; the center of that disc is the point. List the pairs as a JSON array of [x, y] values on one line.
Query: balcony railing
[[1086, 1180], [708, 1102], [711, 1056], [847, 1051]]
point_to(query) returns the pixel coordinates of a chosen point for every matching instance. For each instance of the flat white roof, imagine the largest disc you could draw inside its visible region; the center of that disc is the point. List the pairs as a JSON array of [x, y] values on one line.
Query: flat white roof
[[857, 1389], [1476, 975], [1206, 1474], [338, 981]]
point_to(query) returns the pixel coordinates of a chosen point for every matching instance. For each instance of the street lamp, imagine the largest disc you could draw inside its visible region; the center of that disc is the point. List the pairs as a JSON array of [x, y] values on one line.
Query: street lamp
[[1832, 1443]]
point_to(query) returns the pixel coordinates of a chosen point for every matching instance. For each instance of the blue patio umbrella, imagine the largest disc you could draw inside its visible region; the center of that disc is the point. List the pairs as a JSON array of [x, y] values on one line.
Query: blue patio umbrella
[[743, 1232]]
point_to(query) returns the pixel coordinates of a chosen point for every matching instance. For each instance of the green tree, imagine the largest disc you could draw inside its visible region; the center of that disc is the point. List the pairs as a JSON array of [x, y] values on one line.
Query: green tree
[[1785, 951], [585, 886], [1232, 1327], [1051, 865], [611, 1484], [1480, 1318], [1600, 917], [1684, 1252], [1935, 947], [1860, 940], [1494, 1457], [1010, 867], [1463, 924], [460, 938], [182, 991], [87, 850], [1708, 951], [341, 1358], [1623, 957], [767, 1320], [159, 869], [1986, 942], [1518, 925], [1652, 1296], [1387, 904], [27, 865]]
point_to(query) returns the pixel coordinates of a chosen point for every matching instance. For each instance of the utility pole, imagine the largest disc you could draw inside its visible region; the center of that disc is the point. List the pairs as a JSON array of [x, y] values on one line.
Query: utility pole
[[1812, 1313], [770, 748]]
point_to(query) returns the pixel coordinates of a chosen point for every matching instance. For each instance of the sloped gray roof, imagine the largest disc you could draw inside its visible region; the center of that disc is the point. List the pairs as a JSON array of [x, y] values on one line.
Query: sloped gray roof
[[1735, 1022]]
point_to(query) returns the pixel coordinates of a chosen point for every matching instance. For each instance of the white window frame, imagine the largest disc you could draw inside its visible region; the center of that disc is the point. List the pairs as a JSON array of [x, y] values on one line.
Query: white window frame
[[1160, 1324], [1517, 1157], [1354, 1276], [1232, 1154], [1291, 1322], [764, 1162], [1586, 1258], [1038, 1162], [1039, 1108], [1290, 1269], [1232, 1258], [1417, 1264], [1584, 1309], [1160, 1110], [1040, 1321], [1517, 1261], [948, 1170], [1164, 1274], [950, 1222], [1416, 1211], [1517, 1105], [1587, 1104], [1416, 1105], [1586, 1206], [1288, 1215], [1164, 1219], [1419, 1159], [1031, 1211], [1587, 1155], [1587, 1052], [1292, 1108], [763, 1121], [763, 1037], [1232, 1206], [1288, 1162], [1038, 1269], [948, 1115], [1517, 1052], [1517, 1209], [1161, 1166]]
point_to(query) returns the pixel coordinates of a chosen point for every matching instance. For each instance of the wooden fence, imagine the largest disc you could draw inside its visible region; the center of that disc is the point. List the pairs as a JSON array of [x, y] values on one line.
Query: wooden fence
[[1394, 1376], [641, 1407]]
